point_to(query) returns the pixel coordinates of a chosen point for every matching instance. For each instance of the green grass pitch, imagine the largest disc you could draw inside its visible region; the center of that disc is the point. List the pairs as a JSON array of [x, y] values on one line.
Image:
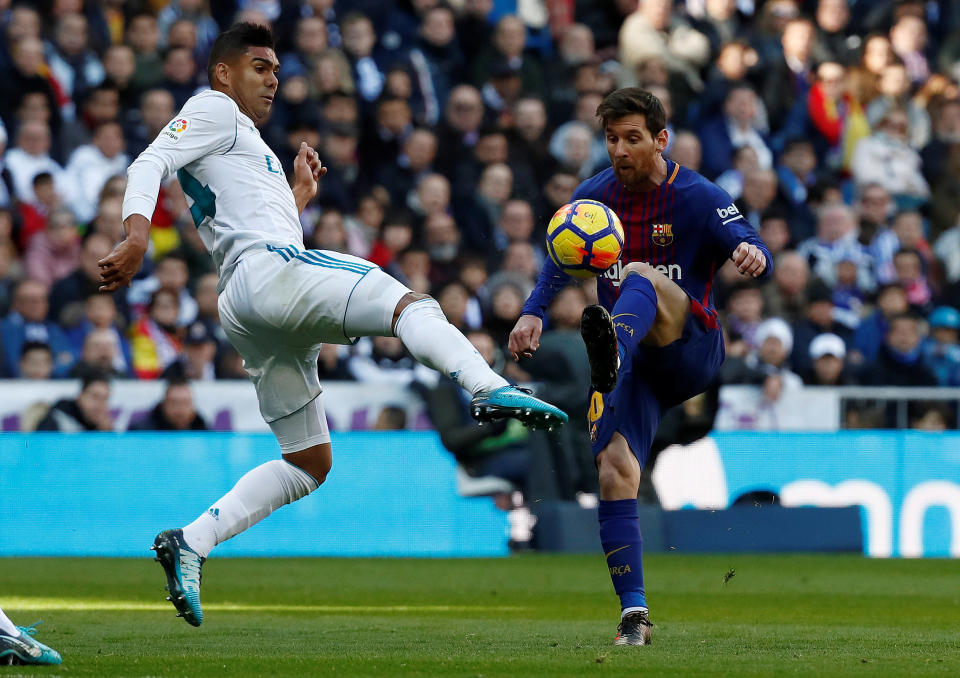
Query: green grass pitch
[[524, 616]]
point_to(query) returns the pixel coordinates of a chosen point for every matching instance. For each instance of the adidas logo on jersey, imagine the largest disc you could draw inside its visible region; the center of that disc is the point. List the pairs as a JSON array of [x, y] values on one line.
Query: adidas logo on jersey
[[672, 271]]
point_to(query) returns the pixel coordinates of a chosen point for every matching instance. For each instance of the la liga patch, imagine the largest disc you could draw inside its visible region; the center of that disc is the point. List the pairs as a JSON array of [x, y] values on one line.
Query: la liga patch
[[175, 129]]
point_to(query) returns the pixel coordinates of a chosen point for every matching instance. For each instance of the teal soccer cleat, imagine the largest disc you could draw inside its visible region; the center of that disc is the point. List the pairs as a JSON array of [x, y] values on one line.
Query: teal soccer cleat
[[182, 567], [516, 402], [24, 649]]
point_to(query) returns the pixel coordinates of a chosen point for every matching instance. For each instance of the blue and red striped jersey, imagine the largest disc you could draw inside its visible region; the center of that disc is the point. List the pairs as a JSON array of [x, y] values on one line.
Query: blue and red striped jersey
[[686, 228]]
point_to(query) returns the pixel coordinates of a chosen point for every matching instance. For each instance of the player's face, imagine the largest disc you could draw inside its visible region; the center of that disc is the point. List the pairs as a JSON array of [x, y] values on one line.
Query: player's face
[[254, 82], [633, 150]]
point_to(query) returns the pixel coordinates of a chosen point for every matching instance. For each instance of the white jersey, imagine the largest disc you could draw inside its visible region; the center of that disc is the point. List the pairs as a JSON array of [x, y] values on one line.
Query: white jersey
[[236, 188]]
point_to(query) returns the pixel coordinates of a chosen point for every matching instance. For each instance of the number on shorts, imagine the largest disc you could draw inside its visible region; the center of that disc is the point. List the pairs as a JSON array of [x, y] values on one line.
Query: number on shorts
[[596, 407]]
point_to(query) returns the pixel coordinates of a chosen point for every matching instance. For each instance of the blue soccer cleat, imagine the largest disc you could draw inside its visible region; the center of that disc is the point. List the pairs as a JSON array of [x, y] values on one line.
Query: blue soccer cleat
[[516, 402], [182, 566], [24, 649]]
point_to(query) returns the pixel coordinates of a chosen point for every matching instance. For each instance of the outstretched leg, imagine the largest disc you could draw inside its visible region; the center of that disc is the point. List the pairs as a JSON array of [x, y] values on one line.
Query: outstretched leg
[[420, 323], [19, 647]]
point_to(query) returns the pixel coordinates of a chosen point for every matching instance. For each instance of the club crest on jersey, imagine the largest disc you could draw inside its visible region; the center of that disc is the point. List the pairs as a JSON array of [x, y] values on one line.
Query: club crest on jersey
[[175, 129], [662, 234]]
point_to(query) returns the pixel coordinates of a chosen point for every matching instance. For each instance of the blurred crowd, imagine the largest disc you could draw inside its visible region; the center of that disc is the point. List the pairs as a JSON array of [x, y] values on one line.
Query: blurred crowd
[[453, 130]]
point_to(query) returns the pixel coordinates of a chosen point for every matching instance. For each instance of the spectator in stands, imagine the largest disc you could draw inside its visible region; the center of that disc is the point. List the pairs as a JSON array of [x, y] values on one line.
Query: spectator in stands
[[89, 411], [120, 63], [835, 115], [26, 85], [827, 353], [744, 161], [85, 280], [819, 319], [197, 13], [787, 297], [941, 350], [775, 231], [384, 360], [687, 150], [506, 53], [157, 108], [835, 241], [834, 39], [886, 158], [908, 37], [460, 129], [101, 105], [436, 60], [739, 125], [528, 139], [75, 67], [654, 31], [171, 274], [36, 361], [154, 339], [900, 361], [27, 322], [905, 233], [575, 48], [932, 416], [179, 74], [91, 165], [744, 310], [101, 352], [54, 254], [196, 361], [359, 39], [100, 313], [895, 93], [419, 150], [759, 196], [908, 267], [791, 72], [796, 175], [875, 209], [31, 156], [174, 413]]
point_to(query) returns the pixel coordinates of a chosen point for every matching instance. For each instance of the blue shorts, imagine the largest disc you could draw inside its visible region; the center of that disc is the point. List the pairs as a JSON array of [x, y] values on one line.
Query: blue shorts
[[651, 380]]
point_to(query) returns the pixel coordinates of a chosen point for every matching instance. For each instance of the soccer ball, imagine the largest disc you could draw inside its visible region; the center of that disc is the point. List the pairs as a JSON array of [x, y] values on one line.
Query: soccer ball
[[584, 238]]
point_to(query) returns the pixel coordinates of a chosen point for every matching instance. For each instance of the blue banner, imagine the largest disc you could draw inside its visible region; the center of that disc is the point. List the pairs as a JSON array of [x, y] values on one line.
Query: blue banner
[[104, 494]]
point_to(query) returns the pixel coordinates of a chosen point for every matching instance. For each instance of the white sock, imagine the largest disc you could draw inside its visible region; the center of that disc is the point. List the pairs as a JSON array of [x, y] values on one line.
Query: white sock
[[8, 626], [260, 492], [436, 343], [627, 610]]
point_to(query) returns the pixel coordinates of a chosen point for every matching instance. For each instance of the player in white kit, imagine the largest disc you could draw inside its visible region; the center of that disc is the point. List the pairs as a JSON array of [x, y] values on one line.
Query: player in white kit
[[278, 301]]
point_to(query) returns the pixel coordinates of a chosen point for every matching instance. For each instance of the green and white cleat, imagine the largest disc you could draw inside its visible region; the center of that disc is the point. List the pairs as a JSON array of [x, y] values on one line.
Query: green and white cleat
[[519, 403], [182, 567], [25, 649]]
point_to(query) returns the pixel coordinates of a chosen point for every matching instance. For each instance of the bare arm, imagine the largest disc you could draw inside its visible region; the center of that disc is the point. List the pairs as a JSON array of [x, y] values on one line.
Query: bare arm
[[118, 268]]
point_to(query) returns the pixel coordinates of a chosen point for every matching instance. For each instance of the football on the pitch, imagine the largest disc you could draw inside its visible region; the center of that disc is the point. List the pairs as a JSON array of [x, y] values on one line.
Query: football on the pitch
[[584, 238]]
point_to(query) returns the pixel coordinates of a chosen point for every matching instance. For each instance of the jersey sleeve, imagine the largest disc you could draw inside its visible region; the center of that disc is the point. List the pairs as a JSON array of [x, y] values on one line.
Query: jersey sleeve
[[551, 279], [206, 125], [727, 227]]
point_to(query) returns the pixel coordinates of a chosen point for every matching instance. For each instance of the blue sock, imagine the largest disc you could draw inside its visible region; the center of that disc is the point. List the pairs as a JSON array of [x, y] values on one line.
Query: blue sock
[[620, 537], [634, 312]]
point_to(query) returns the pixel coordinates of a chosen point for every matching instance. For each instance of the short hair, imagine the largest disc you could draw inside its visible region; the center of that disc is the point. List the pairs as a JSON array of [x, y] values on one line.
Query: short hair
[[633, 101], [35, 346], [92, 376], [234, 42]]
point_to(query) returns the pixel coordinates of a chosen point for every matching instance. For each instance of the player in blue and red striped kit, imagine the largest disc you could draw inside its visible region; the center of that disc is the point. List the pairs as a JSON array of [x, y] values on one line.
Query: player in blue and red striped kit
[[654, 340]]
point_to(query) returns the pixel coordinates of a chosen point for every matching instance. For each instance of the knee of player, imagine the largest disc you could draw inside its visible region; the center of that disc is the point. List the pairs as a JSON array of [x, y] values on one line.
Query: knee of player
[[640, 268], [315, 461]]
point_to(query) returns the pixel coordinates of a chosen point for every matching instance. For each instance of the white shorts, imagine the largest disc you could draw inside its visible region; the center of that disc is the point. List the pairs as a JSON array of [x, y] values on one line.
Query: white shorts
[[281, 304], [302, 429]]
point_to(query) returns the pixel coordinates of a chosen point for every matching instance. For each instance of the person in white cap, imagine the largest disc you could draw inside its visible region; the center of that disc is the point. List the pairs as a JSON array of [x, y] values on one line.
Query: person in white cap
[[828, 352]]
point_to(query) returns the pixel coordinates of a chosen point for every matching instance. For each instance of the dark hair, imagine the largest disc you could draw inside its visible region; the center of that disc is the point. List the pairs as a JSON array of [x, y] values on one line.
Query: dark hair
[[234, 42], [176, 380], [35, 346], [633, 101], [41, 177], [90, 376]]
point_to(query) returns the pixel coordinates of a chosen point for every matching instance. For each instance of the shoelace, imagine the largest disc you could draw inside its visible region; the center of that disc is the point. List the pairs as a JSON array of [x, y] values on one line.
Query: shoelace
[[30, 630]]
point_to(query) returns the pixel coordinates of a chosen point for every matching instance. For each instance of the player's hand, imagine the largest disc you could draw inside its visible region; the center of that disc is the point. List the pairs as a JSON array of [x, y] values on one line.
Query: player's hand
[[749, 259], [525, 337], [118, 268], [307, 169]]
